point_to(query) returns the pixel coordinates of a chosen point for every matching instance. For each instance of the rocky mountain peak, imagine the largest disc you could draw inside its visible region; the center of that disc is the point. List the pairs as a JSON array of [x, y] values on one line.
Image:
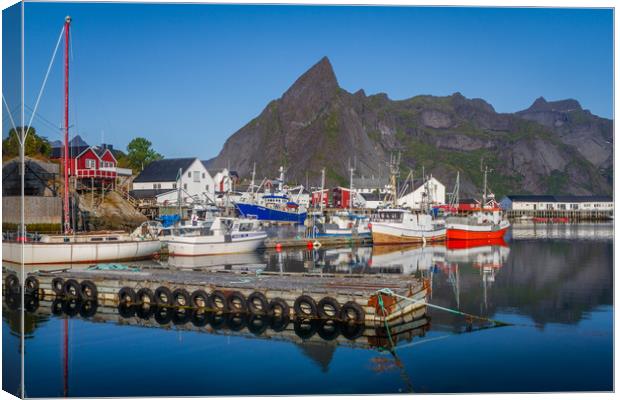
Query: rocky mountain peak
[[540, 104], [320, 79]]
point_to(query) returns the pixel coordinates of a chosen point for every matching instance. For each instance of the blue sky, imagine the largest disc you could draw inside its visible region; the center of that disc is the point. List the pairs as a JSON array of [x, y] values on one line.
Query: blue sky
[[188, 76]]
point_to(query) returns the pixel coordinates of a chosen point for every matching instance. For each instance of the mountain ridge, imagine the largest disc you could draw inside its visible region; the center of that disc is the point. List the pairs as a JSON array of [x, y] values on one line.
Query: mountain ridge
[[549, 147]]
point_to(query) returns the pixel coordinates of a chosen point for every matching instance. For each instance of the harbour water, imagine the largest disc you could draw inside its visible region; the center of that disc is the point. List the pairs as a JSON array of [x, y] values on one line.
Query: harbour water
[[552, 283]]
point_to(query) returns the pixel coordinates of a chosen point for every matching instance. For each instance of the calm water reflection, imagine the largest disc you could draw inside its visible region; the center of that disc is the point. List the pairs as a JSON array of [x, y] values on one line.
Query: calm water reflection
[[555, 283]]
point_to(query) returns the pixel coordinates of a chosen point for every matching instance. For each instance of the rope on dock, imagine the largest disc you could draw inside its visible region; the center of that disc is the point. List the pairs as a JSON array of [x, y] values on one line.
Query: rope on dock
[[389, 292]]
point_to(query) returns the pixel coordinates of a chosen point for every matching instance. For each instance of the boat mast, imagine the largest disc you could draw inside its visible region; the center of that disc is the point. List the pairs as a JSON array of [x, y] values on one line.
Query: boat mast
[[67, 226], [351, 189], [281, 180], [253, 176], [322, 189], [484, 193]]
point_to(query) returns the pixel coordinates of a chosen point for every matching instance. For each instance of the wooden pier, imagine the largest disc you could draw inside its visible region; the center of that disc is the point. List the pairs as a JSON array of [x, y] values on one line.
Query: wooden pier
[[347, 298], [570, 215]]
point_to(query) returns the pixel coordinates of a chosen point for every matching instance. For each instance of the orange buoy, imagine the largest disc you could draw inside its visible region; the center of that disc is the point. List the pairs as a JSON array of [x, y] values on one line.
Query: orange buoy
[[309, 244], [278, 247]]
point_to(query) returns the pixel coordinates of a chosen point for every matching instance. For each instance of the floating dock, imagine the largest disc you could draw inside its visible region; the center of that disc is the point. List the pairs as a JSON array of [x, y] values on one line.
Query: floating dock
[[275, 243], [346, 298]]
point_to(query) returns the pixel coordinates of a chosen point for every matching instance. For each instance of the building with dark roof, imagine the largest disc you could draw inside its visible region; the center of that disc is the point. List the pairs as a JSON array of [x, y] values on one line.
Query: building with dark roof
[[557, 203]]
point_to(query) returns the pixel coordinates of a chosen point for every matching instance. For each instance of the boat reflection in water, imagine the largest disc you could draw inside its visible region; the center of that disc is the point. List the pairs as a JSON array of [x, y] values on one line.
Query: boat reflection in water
[[580, 231], [247, 261]]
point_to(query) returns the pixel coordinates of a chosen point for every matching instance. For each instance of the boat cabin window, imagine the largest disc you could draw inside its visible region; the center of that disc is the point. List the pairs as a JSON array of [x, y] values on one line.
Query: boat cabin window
[[96, 239], [245, 227], [394, 216], [112, 238]]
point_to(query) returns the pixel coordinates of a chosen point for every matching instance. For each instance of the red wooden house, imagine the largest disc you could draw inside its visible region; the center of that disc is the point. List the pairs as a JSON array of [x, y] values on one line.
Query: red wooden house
[[93, 164]]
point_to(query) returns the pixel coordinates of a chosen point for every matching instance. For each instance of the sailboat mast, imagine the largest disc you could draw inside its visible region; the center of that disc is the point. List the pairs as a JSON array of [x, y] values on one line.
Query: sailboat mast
[[484, 194], [351, 190], [67, 226]]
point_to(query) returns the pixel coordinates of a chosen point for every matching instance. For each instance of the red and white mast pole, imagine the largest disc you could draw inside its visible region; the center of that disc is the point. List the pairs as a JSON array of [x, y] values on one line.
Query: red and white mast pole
[[67, 224]]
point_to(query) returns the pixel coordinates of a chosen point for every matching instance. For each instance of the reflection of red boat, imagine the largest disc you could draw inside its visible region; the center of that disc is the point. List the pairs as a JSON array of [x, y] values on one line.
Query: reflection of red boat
[[470, 243]]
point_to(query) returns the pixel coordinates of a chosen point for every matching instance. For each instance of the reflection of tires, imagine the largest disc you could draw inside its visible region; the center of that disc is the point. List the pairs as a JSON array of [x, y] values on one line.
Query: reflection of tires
[[163, 315], [71, 307], [57, 285], [305, 307], [127, 295], [88, 309], [71, 289], [181, 316], [258, 304], [278, 324], [351, 331], [200, 318], [31, 303], [32, 286], [328, 307], [89, 290], [57, 306], [145, 296], [126, 310], [163, 296], [217, 301], [11, 283], [217, 320], [144, 311], [279, 308], [258, 324], [12, 301], [236, 302], [352, 312], [199, 299], [329, 329], [305, 328], [236, 322]]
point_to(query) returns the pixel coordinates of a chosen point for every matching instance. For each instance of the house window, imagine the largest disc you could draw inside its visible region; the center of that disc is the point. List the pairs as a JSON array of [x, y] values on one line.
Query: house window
[[203, 175], [185, 186], [189, 174], [196, 176], [157, 186], [549, 206], [90, 163], [207, 188], [174, 185]]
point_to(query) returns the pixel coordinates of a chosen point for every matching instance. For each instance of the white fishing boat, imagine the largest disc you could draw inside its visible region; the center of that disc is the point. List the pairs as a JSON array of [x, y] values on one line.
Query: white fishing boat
[[71, 247], [225, 235], [91, 247], [345, 224], [394, 226]]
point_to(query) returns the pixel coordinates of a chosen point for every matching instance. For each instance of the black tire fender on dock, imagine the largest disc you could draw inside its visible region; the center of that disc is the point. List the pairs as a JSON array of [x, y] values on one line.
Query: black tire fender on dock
[[32, 286], [71, 289], [329, 329], [217, 301], [127, 295], [236, 302], [352, 312], [163, 296], [305, 328], [180, 297], [181, 316], [258, 304], [328, 308], [11, 283], [57, 306], [89, 290], [89, 308], [57, 284], [217, 320], [199, 299], [145, 293], [12, 301], [305, 307], [281, 305], [145, 311]]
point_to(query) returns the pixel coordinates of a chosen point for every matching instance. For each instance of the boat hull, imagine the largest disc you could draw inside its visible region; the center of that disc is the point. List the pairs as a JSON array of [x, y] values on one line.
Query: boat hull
[[476, 232], [270, 214], [386, 234], [192, 247], [81, 252]]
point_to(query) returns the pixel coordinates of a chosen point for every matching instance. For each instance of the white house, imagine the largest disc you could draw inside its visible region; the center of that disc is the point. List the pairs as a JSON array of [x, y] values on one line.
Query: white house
[[370, 185], [161, 179], [431, 191], [557, 203], [372, 200]]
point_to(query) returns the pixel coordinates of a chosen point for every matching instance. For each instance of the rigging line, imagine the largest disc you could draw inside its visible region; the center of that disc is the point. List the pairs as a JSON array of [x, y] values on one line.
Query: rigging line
[[49, 68], [9, 112]]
